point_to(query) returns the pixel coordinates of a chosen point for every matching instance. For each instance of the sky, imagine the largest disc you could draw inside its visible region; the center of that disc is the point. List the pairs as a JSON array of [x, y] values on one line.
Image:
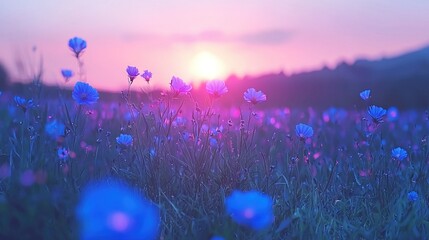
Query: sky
[[200, 39]]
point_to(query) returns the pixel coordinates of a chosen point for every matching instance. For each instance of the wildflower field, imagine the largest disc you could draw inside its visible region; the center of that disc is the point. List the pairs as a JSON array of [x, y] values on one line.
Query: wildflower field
[[78, 166]]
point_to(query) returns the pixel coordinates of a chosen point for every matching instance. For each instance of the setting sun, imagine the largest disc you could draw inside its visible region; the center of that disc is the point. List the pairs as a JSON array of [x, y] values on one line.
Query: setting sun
[[206, 66]]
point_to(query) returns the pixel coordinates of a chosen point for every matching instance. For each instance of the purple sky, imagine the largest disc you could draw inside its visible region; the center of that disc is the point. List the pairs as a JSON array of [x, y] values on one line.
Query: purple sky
[[170, 36]]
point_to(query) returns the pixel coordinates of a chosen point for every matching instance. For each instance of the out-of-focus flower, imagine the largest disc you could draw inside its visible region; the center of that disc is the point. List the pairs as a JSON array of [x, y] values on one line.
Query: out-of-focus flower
[[413, 196], [392, 114], [253, 96], [178, 87], [303, 131], [67, 74], [365, 95], [84, 94], [111, 210], [132, 72], [23, 103], [63, 153], [216, 88], [252, 209], [399, 153], [377, 113], [54, 129], [147, 75], [77, 45], [217, 238], [125, 140]]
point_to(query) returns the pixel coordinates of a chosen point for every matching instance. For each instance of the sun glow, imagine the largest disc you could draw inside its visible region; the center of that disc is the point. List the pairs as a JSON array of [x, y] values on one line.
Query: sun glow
[[206, 66]]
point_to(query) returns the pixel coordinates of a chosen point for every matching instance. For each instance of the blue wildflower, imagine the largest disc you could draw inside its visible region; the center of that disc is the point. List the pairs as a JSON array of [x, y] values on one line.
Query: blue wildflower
[[377, 113], [77, 45], [67, 74], [303, 131], [392, 114], [252, 209], [365, 95], [54, 129], [217, 238], [125, 140], [111, 210], [23, 103], [84, 94], [413, 196], [147, 75], [132, 72], [63, 153], [399, 153]]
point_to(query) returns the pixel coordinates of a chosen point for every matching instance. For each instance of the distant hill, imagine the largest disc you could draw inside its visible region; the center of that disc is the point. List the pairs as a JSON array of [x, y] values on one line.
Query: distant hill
[[401, 81]]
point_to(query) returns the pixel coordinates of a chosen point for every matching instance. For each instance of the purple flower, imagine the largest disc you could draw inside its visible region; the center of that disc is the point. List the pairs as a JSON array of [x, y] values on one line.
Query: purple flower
[[147, 75], [179, 87], [67, 74], [399, 153], [133, 72], [77, 45], [365, 95], [252, 209], [253, 96], [216, 88], [111, 210], [84, 94], [303, 131], [377, 113]]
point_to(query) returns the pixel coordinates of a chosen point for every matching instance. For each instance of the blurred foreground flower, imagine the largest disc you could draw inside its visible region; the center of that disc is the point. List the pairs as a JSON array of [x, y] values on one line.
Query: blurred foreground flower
[[252, 209], [377, 113], [178, 87], [399, 153], [253, 96], [216, 88], [84, 94], [77, 45], [54, 129], [147, 75], [111, 210], [303, 131], [132, 72], [365, 95], [23, 103], [413, 196]]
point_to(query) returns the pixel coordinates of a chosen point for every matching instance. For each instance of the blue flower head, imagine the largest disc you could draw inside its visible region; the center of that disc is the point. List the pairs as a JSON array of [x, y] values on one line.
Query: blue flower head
[[132, 72], [111, 210], [252, 209], [303, 131], [413, 196], [84, 94], [54, 129], [67, 74], [23, 103], [377, 113], [125, 140], [77, 45], [399, 153], [365, 95], [217, 238]]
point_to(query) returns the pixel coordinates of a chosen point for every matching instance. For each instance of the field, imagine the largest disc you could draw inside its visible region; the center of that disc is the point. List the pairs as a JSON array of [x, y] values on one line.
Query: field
[[173, 167]]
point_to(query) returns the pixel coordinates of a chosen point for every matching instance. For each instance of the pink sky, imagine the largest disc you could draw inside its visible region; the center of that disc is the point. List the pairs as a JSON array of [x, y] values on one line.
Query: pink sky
[[165, 36]]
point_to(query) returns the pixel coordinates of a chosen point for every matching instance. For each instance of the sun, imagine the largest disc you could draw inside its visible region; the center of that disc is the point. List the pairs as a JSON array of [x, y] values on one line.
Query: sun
[[207, 66]]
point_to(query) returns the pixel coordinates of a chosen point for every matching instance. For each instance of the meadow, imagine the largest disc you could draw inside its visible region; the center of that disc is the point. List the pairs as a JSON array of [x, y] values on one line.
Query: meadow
[[174, 167]]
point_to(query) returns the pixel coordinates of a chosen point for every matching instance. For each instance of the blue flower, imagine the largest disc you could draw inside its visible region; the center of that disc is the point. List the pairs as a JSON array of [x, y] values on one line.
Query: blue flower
[[147, 75], [377, 113], [252, 209], [77, 45], [54, 129], [217, 238], [23, 103], [84, 94], [125, 140], [365, 95], [132, 72], [399, 153], [63, 153], [67, 74], [413, 196], [303, 131], [111, 210]]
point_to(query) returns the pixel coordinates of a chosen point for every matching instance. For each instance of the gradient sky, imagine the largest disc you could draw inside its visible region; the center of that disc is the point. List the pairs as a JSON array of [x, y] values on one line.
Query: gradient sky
[[246, 36]]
